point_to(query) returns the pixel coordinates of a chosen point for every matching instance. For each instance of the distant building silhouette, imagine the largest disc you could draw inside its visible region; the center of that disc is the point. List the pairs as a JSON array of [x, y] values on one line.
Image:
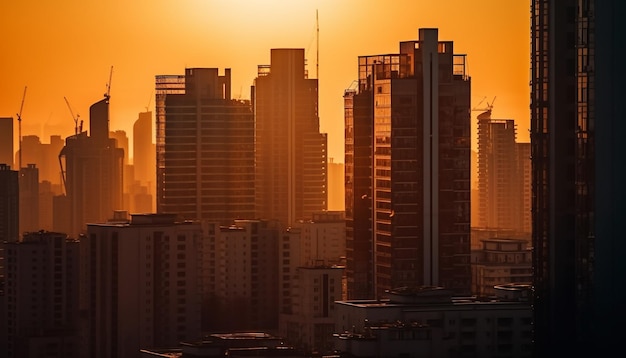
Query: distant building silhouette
[[92, 172], [144, 162], [205, 148], [291, 153], [336, 186], [44, 155], [6, 141], [578, 176], [499, 195], [408, 170], [29, 199], [140, 285], [42, 296]]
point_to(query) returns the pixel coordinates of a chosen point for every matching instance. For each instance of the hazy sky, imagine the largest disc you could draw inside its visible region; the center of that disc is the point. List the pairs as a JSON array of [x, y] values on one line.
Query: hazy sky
[[65, 48]]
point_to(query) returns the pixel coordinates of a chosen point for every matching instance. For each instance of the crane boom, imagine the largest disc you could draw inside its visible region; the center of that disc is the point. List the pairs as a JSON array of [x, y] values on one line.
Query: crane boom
[[19, 122], [108, 94], [75, 118]]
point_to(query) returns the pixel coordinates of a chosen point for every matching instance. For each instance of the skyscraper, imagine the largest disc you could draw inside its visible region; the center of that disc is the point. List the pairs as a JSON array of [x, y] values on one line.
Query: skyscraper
[[6, 141], [499, 195], [92, 172], [29, 199], [291, 160], [578, 175], [144, 153], [205, 148], [408, 170], [9, 204]]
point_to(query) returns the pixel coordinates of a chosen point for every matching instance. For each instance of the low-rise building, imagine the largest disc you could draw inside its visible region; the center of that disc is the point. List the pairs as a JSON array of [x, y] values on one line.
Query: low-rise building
[[429, 322], [500, 261]]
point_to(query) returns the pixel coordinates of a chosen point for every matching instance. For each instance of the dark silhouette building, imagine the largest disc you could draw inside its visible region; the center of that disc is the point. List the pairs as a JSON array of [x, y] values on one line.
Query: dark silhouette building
[[6, 140], [41, 297], [291, 156], [144, 165], [44, 155], [29, 199], [92, 174], [408, 170], [9, 204], [205, 148], [578, 176]]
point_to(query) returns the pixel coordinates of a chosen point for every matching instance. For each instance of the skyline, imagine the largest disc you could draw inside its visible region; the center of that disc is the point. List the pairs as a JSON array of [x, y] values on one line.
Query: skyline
[[66, 49]]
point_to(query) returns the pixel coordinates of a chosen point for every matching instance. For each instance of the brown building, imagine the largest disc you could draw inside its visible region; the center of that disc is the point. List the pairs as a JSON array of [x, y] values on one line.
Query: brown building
[[291, 160], [41, 297], [498, 189], [500, 261], [240, 282], [408, 170], [140, 285], [205, 148]]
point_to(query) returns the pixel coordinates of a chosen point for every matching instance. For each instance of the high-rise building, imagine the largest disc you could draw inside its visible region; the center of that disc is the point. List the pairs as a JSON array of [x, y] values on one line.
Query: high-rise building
[[524, 220], [336, 186], [29, 199], [205, 148], [140, 285], [578, 176], [42, 296], [6, 141], [92, 172], [144, 152], [408, 174], [9, 204], [291, 156], [498, 194]]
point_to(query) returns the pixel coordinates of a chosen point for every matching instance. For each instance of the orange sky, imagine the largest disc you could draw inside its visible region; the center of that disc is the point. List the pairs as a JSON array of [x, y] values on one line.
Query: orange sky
[[65, 48]]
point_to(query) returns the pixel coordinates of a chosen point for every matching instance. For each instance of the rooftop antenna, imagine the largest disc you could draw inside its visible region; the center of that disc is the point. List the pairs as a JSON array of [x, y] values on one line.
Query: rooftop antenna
[[75, 118], [19, 120], [317, 45]]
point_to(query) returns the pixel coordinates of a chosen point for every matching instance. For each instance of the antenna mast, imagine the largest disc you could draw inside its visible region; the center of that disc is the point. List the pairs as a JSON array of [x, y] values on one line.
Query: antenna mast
[[19, 120], [317, 45]]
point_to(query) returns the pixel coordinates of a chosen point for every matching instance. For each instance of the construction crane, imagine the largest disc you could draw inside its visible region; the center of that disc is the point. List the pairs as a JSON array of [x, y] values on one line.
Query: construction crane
[[149, 101], [107, 95], [486, 110], [75, 118], [19, 121]]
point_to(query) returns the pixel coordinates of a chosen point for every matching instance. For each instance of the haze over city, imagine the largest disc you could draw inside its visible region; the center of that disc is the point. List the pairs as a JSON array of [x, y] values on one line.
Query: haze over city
[[66, 49], [312, 179]]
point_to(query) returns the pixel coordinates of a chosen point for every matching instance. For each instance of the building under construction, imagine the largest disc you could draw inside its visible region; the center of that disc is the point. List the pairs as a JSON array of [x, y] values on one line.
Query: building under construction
[[92, 169]]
